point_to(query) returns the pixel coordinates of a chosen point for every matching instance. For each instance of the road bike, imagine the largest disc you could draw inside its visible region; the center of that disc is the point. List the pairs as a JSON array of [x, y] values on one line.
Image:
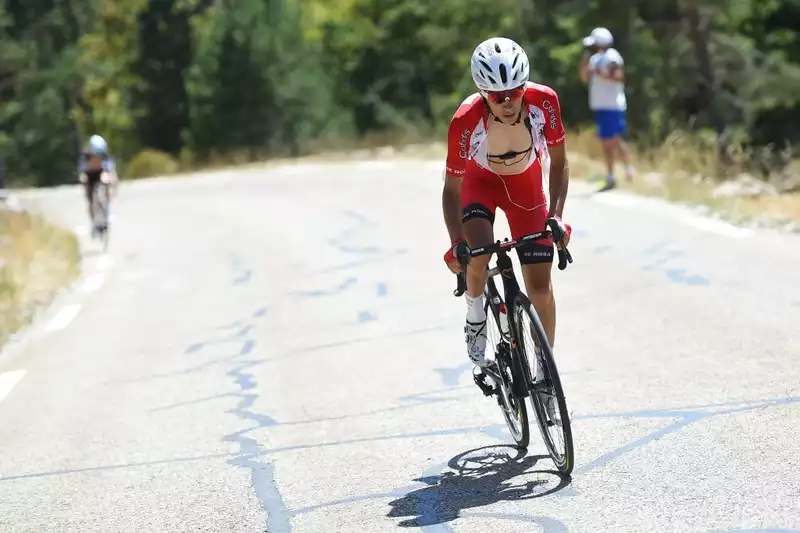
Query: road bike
[[513, 317], [100, 224]]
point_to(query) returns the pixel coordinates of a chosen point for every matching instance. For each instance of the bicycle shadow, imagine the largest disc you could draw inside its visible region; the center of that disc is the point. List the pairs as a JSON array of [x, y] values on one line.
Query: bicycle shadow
[[464, 487]]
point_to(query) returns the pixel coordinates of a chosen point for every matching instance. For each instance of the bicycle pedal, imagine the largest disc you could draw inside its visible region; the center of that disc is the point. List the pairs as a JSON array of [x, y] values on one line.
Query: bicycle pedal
[[487, 389]]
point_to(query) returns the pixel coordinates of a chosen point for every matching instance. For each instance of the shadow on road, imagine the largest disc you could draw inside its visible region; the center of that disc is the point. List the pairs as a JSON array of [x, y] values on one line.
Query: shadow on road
[[479, 477]]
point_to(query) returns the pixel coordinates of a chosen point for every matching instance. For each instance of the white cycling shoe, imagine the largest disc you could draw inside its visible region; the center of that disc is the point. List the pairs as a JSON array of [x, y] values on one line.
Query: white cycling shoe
[[475, 337]]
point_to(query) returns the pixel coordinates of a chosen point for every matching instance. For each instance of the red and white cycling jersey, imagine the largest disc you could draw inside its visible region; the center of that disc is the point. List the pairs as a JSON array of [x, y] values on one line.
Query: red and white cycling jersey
[[466, 138]]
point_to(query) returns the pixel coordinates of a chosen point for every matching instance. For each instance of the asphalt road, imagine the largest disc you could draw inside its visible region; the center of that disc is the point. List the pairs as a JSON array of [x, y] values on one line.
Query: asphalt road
[[279, 350]]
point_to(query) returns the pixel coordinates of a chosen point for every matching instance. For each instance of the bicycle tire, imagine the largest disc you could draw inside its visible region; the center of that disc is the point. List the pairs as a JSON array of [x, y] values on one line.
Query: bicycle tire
[[566, 462], [101, 205], [507, 401]]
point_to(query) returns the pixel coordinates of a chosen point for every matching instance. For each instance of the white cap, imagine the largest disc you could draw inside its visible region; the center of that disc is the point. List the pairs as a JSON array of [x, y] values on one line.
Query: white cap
[[599, 37]]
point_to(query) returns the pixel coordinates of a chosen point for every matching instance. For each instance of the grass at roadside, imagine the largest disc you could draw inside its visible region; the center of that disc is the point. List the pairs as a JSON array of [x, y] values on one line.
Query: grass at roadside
[[36, 261], [680, 170]]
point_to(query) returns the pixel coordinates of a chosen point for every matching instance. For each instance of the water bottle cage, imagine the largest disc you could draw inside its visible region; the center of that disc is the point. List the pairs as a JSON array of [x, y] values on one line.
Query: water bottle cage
[[504, 322]]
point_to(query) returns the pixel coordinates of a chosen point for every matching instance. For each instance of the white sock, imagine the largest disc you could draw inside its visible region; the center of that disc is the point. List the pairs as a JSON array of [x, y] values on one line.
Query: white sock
[[475, 310]]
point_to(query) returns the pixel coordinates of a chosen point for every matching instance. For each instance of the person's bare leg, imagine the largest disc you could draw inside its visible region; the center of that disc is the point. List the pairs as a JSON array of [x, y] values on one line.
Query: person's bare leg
[[539, 288], [609, 147], [625, 156], [477, 232]]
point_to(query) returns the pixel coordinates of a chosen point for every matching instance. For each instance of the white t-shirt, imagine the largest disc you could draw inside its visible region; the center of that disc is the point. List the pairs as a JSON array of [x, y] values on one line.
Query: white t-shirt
[[606, 94]]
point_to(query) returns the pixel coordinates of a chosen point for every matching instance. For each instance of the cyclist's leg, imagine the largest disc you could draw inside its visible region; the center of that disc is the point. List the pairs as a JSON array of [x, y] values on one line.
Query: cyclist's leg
[[477, 217], [478, 232], [539, 288], [88, 192], [535, 257]]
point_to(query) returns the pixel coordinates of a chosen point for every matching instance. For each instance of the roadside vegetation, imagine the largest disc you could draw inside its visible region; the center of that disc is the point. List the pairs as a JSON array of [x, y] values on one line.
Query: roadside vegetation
[[36, 261]]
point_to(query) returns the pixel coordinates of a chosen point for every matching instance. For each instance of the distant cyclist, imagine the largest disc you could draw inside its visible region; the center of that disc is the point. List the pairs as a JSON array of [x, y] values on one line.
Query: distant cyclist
[[95, 165], [502, 142]]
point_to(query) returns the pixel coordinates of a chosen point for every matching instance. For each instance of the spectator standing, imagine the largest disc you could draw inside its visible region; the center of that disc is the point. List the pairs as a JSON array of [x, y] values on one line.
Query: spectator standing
[[602, 69]]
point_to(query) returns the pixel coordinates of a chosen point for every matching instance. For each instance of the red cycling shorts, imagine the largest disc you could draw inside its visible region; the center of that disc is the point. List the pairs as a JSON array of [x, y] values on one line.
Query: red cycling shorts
[[522, 199]]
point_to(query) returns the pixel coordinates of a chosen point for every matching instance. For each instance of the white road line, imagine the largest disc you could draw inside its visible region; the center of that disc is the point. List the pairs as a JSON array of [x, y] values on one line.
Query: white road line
[[93, 282], [678, 212], [64, 317], [9, 380], [718, 226]]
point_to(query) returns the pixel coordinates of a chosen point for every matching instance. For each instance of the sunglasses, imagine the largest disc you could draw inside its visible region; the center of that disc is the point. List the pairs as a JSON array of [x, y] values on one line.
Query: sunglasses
[[498, 97]]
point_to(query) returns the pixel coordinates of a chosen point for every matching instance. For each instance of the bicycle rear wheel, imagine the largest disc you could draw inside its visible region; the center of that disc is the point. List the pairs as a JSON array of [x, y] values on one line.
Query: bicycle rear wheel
[[547, 396], [515, 410], [101, 215]]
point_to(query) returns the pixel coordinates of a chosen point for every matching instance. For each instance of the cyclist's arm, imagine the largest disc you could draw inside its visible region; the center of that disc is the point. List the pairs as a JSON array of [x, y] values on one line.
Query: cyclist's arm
[[556, 146], [81, 169], [451, 206], [458, 135], [559, 179], [110, 172]]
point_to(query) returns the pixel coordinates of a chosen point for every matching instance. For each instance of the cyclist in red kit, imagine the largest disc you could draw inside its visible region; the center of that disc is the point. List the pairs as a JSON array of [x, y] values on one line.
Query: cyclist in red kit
[[504, 143]]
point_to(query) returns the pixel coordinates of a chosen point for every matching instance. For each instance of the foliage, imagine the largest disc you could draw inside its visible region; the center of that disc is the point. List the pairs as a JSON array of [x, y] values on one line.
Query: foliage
[[195, 78], [36, 261], [149, 163]]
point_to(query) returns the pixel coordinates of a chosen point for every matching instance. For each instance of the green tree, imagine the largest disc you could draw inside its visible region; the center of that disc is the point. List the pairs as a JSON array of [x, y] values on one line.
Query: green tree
[[255, 84], [40, 81]]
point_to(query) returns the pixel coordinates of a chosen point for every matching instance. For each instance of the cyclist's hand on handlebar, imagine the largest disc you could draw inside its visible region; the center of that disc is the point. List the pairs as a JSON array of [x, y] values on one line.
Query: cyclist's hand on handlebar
[[566, 230], [458, 249]]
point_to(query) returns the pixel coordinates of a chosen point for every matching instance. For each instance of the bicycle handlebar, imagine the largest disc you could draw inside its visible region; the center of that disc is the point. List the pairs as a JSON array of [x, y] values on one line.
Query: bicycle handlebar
[[564, 257]]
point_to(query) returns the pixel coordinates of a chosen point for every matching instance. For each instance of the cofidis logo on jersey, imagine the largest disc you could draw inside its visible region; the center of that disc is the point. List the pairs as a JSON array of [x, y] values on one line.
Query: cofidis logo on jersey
[[552, 110], [463, 144]]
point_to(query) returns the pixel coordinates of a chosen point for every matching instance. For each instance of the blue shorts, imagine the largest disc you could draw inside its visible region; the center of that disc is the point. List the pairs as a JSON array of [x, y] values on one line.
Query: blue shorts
[[610, 123]]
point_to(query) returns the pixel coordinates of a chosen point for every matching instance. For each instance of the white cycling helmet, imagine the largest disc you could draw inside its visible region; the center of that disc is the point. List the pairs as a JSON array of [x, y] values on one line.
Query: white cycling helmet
[[499, 64], [97, 145]]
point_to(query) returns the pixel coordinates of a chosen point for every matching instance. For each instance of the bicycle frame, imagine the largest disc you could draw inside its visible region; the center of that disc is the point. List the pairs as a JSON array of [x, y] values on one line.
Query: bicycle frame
[[505, 269], [511, 288], [100, 205]]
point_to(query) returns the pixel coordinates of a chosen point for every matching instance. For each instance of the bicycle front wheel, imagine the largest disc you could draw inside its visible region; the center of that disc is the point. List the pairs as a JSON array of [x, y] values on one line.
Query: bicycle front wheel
[[547, 396], [515, 411]]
